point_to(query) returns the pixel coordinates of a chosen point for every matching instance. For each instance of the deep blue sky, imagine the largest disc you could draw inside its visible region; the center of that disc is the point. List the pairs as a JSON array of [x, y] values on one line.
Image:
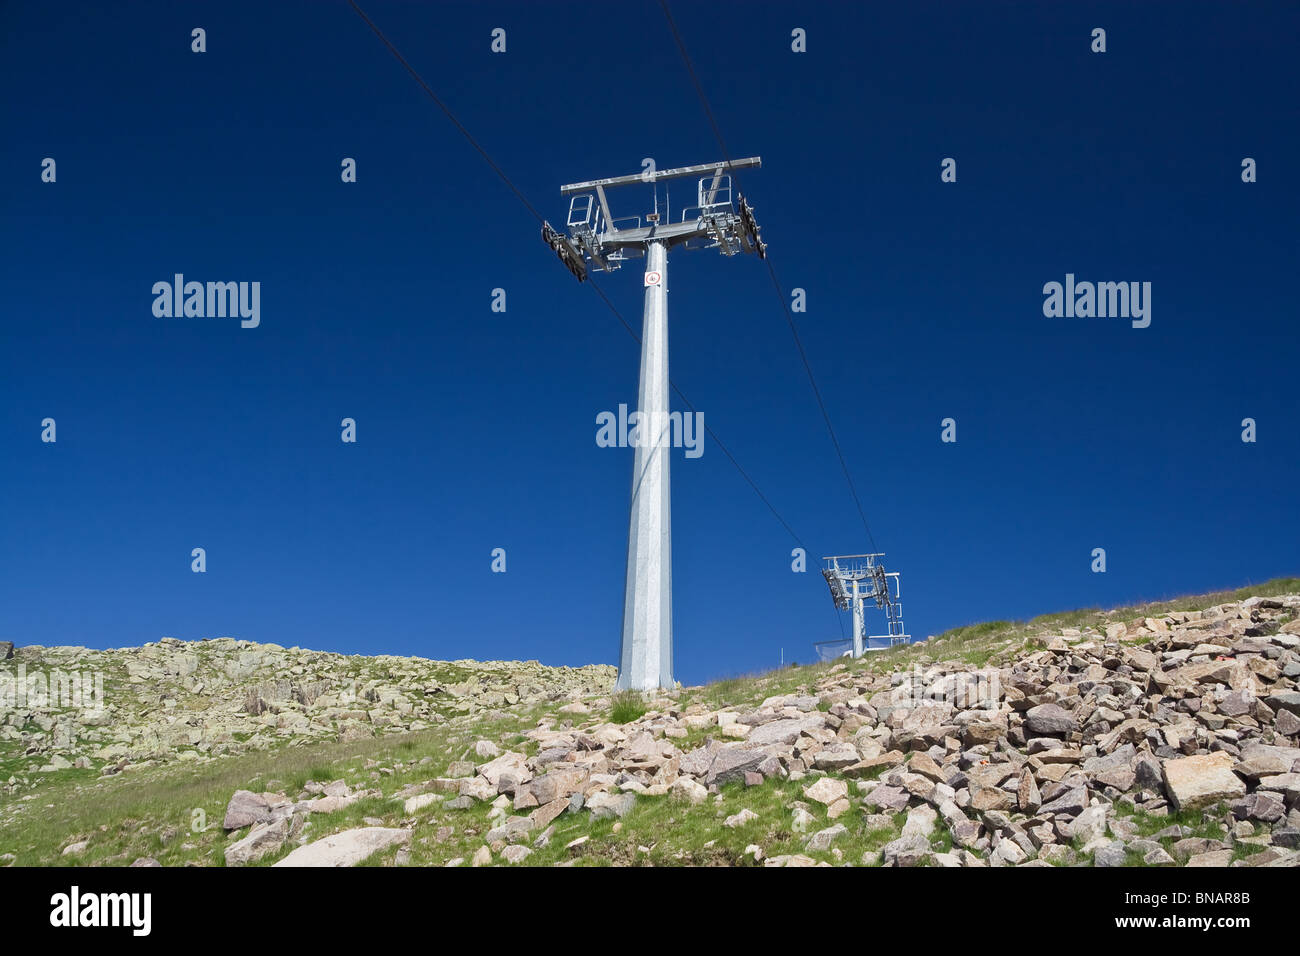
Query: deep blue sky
[[477, 429]]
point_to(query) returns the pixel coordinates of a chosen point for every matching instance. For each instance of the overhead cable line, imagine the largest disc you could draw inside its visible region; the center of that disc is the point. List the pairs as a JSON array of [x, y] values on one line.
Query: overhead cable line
[[776, 282], [538, 216]]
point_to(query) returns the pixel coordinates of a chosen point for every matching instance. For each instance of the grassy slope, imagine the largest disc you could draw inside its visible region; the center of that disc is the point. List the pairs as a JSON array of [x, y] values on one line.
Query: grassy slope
[[157, 811]]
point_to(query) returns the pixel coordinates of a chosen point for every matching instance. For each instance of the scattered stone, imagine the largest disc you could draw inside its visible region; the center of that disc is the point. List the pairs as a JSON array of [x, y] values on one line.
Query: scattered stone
[[907, 851], [247, 808], [732, 763], [1201, 780], [513, 830], [419, 802], [1284, 700], [885, 797], [1009, 852], [1027, 793], [1050, 720], [1089, 825], [262, 840], [1185, 710], [1070, 803], [604, 805], [821, 840], [684, 788], [515, 853], [836, 757], [1111, 854], [347, 848], [920, 822], [740, 819], [827, 790]]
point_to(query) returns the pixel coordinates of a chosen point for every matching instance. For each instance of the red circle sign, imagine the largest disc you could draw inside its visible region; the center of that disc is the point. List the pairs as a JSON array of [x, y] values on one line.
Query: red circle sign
[[652, 278]]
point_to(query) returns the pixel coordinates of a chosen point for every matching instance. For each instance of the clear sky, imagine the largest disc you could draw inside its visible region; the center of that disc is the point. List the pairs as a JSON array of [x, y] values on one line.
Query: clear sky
[[476, 429]]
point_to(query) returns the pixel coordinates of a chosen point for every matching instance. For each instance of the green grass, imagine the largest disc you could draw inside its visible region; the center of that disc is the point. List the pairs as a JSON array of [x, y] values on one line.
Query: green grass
[[1243, 850], [626, 707], [152, 811], [1201, 823]]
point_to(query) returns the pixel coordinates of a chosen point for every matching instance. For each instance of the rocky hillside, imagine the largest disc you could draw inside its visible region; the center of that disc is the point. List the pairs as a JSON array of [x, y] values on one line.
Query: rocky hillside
[[1158, 736], [192, 701]]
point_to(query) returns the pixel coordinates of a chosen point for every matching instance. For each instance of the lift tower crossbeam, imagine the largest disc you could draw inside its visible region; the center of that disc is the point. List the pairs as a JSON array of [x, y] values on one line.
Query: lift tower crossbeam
[[856, 578], [716, 221]]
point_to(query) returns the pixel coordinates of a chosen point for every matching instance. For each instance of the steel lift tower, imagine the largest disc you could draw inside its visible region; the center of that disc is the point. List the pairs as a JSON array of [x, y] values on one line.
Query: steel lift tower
[[595, 236], [855, 578]]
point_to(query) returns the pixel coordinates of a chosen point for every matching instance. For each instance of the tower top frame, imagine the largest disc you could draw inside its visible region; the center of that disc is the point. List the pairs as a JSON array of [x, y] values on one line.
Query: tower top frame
[[720, 218]]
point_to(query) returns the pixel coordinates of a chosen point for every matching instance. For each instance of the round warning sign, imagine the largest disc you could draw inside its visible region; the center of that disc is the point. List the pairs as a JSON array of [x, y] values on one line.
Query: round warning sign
[[652, 278]]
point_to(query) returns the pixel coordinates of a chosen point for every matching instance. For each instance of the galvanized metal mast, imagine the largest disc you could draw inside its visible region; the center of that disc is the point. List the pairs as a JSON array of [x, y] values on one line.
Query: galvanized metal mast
[[646, 661], [854, 579], [595, 236]]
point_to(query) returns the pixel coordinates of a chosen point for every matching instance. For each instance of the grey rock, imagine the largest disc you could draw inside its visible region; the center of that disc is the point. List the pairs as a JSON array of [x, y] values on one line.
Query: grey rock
[[785, 731], [1201, 781], [822, 839], [513, 830], [1148, 774], [1009, 852], [1262, 805], [1284, 700], [1070, 803], [1112, 854], [1236, 703], [1122, 757], [836, 757], [1050, 720], [732, 763], [887, 798], [906, 851], [1288, 783], [262, 840], [556, 784], [1196, 846], [347, 848], [247, 808], [697, 762], [920, 822], [1157, 856], [603, 805], [1027, 794], [1287, 837], [1089, 825]]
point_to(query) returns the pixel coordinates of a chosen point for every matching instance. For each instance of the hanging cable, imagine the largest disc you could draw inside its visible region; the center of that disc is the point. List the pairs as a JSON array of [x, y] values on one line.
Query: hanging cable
[[776, 282], [536, 215]]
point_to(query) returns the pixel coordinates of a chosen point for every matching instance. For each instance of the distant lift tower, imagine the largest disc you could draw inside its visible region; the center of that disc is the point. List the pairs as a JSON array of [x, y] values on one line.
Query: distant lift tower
[[715, 221], [855, 578]]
